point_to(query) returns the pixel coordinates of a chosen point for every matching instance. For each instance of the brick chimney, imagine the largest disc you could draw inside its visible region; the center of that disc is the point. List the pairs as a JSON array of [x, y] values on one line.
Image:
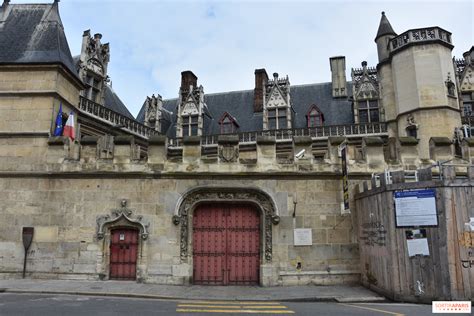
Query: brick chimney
[[261, 80], [338, 70], [188, 82]]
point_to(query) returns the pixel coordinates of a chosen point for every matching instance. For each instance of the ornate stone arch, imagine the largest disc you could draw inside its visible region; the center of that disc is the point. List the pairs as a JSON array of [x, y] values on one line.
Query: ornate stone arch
[[123, 215], [187, 203]]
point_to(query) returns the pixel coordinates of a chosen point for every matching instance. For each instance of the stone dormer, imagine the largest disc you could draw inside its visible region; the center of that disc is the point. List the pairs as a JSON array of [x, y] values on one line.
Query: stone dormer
[[191, 106], [92, 66], [277, 104], [153, 110], [365, 91], [465, 81]]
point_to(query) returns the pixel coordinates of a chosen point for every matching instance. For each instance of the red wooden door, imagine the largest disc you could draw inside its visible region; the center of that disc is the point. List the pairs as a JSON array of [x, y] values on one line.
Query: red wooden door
[[123, 254], [226, 244]]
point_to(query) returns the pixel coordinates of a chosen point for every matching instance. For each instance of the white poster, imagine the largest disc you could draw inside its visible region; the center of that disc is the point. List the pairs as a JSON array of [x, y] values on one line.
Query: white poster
[[418, 247], [416, 208], [303, 237]]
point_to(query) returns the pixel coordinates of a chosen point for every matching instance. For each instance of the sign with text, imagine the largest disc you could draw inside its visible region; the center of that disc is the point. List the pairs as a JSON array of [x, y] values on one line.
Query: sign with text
[[416, 208], [303, 237]]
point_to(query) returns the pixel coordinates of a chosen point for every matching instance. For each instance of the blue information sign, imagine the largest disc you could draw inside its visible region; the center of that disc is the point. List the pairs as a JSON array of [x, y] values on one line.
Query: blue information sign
[[416, 208]]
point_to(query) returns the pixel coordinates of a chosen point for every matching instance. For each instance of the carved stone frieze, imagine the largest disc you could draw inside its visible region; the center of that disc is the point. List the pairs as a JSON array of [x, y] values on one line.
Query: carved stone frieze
[[122, 214], [242, 195]]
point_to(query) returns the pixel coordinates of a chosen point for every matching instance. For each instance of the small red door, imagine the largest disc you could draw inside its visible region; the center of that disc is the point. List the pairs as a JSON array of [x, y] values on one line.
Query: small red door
[[226, 244], [123, 254]]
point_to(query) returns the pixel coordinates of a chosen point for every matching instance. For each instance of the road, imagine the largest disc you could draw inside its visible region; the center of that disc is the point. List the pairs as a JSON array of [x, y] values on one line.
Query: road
[[70, 305]]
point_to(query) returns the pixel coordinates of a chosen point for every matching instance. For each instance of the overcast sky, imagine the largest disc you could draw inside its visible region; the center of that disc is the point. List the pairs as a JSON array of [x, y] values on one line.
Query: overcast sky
[[223, 42]]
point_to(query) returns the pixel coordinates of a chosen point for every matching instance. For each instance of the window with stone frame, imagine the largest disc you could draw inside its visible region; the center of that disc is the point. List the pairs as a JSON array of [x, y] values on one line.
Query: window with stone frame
[[190, 125], [412, 131], [314, 117], [277, 118], [228, 124], [468, 104], [92, 88], [368, 111]]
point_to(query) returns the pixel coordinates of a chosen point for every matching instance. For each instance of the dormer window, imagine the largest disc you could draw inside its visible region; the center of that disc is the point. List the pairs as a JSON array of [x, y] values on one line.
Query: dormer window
[[93, 88], [190, 125], [314, 117], [277, 118], [368, 111], [228, 124]]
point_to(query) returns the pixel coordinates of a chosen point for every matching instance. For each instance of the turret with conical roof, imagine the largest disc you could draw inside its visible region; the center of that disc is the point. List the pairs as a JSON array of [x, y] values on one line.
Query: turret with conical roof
[[384, 34]]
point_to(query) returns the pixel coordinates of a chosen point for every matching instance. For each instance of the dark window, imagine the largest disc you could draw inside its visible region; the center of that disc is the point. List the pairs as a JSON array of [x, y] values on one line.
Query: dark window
[[368, 111], [190, 125], [363, 116], [411, 131], [315, 118], [277, 118], [92, 88], [282, 122], [227, 126], [468, 104]]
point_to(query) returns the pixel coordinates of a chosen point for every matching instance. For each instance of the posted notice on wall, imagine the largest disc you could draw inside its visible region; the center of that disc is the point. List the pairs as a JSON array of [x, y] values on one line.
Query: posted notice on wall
[[416, 208], [417, 243], [303, 237]]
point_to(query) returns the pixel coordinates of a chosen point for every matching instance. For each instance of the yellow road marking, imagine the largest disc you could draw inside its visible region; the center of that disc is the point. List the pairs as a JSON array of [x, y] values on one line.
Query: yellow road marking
[[235, 311], [229, 302], [374, 309], [234, 306]]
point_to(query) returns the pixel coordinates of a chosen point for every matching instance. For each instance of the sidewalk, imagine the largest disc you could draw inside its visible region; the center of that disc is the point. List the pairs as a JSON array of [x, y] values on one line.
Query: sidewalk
[[339, 293]]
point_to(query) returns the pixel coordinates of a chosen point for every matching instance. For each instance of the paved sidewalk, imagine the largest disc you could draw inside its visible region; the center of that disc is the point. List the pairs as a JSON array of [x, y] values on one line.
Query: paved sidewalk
[[193, 292]]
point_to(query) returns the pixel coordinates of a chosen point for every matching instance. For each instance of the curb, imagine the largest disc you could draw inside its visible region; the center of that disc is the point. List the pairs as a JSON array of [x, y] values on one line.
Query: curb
[[174, 298]]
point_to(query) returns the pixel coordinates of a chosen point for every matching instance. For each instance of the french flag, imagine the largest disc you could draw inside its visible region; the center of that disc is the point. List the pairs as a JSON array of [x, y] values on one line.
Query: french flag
[[69, 127]]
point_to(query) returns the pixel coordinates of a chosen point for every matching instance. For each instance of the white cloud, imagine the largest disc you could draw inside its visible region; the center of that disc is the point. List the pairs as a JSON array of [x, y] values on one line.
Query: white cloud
[[222, 42]]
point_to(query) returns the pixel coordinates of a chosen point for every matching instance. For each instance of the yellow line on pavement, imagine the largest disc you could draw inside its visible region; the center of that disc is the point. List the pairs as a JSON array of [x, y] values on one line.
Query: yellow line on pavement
[[207, 306], [235, 311], [229, 302], [233, 306], [375, 310]]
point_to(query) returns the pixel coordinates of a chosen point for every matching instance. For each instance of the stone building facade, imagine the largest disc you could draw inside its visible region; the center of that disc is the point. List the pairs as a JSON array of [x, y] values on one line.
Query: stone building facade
[[229, 188]]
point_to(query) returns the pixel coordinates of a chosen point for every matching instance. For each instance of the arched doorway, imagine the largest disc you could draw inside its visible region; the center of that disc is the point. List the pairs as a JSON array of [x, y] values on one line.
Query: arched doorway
[[123, 253], [226, 244]]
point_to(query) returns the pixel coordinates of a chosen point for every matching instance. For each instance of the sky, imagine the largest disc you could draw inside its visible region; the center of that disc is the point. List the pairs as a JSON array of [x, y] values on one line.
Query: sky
[[223, 42]]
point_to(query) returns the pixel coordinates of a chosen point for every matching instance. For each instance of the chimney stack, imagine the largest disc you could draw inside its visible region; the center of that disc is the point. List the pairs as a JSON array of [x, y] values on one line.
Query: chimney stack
[[188, 82], [338, 70], [261, 80]]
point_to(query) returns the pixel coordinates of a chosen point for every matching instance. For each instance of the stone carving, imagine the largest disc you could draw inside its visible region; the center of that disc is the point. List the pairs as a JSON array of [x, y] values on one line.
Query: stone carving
[[228, 153], [123, 213], [243, 195], [450, 86], [411, 120], [153, 106], [366, 83]]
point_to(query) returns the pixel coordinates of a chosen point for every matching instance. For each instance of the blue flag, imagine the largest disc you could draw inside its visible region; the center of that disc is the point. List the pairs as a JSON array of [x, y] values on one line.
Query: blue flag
[[58, 130]]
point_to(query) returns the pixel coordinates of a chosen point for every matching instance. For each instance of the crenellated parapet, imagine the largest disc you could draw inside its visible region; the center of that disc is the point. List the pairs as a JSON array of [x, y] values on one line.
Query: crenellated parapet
[[232, 157]]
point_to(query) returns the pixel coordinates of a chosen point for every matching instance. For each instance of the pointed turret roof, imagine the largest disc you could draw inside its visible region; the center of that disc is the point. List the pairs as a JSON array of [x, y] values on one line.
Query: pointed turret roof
[[384, 27], [33, 34]]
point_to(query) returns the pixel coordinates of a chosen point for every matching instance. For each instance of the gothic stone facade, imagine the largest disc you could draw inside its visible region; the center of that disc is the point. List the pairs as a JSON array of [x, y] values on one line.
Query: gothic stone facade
[[133, 192]]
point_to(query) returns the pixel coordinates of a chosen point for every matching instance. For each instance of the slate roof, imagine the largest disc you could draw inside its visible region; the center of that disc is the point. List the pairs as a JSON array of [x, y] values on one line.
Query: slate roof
[[113, 102], [239, 104], [384, 27], [33, 34]]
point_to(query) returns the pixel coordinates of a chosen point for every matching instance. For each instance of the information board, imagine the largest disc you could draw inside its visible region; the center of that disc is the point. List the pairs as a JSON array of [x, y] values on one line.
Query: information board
[[416, 208]]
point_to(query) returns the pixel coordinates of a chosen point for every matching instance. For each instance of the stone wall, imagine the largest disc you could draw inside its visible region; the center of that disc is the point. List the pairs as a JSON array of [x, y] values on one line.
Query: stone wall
[[64, 211]]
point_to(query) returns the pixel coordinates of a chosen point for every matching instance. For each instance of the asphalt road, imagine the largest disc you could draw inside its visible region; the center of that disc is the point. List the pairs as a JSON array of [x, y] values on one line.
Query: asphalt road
[[70, 305]]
